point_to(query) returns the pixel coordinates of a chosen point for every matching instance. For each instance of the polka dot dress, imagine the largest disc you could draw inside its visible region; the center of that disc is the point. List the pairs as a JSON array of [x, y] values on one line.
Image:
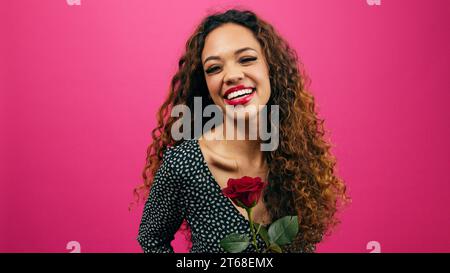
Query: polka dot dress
[[184, 188]]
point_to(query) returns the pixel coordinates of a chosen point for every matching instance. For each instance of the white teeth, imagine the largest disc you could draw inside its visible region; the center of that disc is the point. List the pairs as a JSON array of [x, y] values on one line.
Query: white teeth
[[239, 93]]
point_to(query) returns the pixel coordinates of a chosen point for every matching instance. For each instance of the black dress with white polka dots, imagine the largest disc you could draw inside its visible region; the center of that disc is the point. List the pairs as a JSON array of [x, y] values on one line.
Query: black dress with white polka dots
[[184, 188]]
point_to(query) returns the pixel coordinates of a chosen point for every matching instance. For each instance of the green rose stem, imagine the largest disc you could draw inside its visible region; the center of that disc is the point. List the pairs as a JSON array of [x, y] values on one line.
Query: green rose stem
[[252, 227]]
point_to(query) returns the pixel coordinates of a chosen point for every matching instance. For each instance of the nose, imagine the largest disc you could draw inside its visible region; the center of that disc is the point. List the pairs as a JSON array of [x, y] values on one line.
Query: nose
[[233, 75]]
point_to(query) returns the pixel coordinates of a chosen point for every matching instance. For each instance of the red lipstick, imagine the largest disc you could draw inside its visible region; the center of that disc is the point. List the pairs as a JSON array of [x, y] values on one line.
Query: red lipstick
[[236, 88], [242, 99]]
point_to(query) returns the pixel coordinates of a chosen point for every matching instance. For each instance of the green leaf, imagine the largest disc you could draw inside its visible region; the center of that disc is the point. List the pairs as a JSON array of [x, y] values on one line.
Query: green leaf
[[275, 248], [283, 230], [263, 232], [235, 243]]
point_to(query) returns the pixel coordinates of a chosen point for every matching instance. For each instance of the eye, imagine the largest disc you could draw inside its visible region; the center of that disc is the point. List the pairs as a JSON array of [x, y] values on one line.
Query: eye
[[247, 59], [211, 69]]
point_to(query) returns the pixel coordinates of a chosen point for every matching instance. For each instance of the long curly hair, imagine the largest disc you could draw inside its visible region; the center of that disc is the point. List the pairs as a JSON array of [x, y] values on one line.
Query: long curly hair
[[302, 179]]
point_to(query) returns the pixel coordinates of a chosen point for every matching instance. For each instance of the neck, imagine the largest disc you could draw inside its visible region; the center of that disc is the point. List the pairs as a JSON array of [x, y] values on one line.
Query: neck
[[240, 147]]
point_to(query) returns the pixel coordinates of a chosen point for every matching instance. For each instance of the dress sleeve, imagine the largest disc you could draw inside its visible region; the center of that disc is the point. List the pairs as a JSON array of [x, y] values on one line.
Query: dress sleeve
[[163, 210]]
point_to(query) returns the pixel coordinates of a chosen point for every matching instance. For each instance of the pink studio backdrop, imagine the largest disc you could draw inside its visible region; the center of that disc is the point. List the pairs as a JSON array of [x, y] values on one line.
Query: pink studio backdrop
[[80, 86]]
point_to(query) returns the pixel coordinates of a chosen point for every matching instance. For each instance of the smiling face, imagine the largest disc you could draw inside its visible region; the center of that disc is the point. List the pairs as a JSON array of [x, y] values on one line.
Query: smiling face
[[235, 68]]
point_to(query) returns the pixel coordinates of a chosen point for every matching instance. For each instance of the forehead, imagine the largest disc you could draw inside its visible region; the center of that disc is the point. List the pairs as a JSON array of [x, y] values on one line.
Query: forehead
[[228, 38]]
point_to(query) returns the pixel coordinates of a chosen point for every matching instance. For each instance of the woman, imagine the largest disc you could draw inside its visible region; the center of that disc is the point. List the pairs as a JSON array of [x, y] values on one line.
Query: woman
[[229, 52]]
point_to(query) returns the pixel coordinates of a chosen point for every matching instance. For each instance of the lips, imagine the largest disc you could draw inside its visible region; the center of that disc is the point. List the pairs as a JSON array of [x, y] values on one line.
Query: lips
[[239, 95]]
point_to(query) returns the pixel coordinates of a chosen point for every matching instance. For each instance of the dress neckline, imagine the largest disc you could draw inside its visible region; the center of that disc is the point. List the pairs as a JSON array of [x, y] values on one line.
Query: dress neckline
[[216, 184]]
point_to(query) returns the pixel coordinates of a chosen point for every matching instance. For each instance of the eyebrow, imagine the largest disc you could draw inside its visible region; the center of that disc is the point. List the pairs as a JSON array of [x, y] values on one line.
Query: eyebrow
[[235, 53]]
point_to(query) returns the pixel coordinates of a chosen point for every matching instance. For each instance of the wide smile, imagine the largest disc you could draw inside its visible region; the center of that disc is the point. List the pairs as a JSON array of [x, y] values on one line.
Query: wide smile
[[242, 96]]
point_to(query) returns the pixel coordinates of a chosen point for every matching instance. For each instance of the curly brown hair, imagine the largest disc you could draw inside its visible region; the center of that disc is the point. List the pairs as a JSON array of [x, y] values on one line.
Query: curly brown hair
[[302, 179]]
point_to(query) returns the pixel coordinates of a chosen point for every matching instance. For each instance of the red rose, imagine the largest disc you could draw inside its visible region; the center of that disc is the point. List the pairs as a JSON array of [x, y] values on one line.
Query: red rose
[[245, 191]]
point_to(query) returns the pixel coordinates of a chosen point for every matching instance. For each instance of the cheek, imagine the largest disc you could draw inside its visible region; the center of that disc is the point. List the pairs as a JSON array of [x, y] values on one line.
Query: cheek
[[262, 76], [213, 85], [259, 73]]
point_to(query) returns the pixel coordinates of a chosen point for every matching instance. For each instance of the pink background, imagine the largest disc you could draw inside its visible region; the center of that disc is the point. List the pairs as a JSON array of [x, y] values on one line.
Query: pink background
[[80, 86]]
